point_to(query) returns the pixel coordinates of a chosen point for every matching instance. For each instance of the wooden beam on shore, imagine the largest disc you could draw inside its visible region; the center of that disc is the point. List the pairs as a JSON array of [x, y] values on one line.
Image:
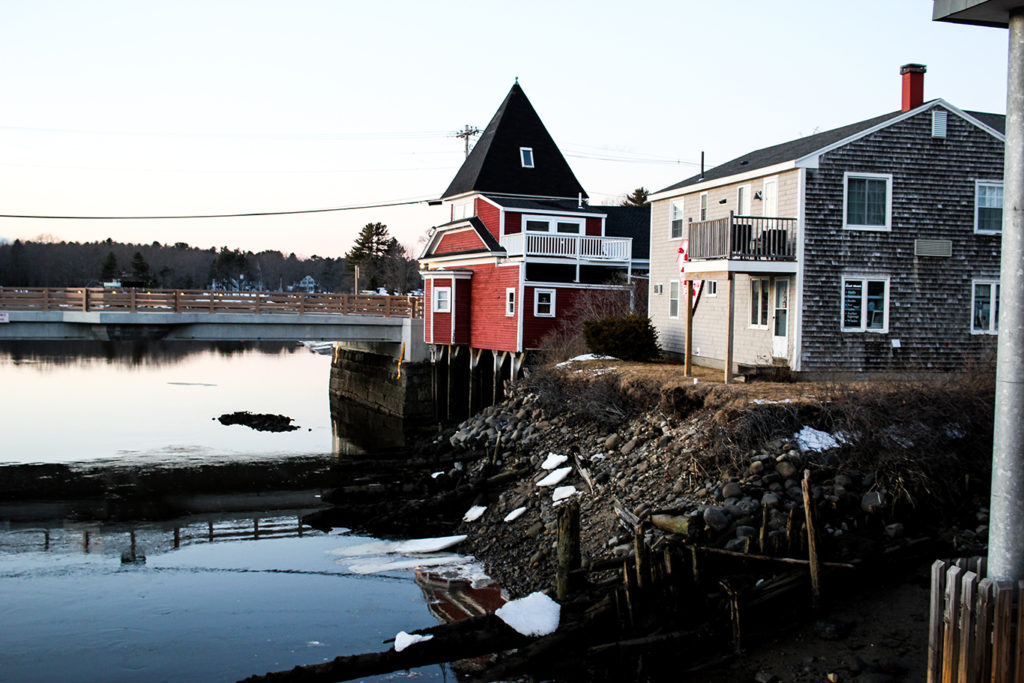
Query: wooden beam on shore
[[458, 640]]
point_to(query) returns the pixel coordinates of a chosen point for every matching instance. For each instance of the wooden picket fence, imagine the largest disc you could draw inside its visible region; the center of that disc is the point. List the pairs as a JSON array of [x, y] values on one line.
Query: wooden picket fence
[[976, 625]]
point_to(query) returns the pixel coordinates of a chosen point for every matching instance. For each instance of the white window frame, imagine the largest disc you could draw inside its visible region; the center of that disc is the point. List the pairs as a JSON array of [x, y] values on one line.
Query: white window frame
[[673, 298], [464, 210], [536, 303], [763, 298], [510, 302], [743, 200], [978, 184], [710, 288], [993, 322], [439, 306], [526, 157], [887, 177], [703, 206], [863, 327], [659, 288], [552, 224], [675, 213]]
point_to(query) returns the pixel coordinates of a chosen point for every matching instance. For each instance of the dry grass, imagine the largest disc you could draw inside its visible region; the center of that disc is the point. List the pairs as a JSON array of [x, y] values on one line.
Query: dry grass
[[927, 442]]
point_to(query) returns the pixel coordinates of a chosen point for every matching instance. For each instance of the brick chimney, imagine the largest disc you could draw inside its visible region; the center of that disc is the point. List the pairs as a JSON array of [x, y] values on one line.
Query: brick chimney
[[913, 85]]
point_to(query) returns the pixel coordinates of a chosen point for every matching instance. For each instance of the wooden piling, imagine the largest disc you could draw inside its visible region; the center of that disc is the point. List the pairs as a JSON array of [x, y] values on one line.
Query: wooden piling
[[568, 551], [812, 543]]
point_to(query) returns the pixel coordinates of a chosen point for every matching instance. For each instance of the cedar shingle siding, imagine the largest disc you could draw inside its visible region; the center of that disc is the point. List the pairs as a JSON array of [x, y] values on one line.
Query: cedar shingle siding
[[933, 186]]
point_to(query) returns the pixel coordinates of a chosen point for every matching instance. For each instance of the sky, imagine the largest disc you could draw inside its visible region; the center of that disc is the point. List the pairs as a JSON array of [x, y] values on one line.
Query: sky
[[197, 107]]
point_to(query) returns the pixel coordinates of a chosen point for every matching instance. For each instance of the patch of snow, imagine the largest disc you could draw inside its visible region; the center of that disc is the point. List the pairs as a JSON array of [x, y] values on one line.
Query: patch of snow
[[598, 456], [429, 545], [584, 357], [404, 640], [555, 477], [553, 460], [534, 615], [515, 514], [314, 643], [474, 513], [435, 475], [811, 439], [413, 563], [563, 492], [762, 401]]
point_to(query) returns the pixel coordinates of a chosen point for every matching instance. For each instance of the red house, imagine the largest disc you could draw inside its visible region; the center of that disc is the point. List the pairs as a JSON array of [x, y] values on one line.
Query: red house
[[521, 246]]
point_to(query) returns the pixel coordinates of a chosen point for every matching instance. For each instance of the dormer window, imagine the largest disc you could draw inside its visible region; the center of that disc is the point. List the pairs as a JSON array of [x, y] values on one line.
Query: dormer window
[[526, 156]]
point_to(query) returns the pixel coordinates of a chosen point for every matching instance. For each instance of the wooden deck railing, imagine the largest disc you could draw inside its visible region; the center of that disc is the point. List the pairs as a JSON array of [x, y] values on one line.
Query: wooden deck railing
[[98, 299], [743, 238], [579, 247]]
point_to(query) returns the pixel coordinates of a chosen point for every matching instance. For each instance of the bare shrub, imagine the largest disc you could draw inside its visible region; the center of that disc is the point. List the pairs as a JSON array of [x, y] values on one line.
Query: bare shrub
[[567, 341], [606, 399]]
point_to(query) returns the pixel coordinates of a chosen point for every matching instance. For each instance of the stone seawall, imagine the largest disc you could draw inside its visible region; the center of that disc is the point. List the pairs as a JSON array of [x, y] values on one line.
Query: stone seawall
[[367, 395]]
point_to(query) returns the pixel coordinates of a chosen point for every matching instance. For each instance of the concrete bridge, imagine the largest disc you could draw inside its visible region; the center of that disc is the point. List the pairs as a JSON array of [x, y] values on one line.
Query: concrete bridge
[[382, 324]]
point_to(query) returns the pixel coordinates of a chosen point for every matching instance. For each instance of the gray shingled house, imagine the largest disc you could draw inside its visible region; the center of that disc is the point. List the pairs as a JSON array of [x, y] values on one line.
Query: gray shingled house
[[868, 249]]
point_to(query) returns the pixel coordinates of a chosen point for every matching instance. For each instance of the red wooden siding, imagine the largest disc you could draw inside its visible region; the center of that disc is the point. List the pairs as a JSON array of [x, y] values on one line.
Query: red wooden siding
[[535, 328], [490, 327], [490, 215], [513, 223], [457, 241], [463, 313], [594, 226], [428, 319], [439, 323]]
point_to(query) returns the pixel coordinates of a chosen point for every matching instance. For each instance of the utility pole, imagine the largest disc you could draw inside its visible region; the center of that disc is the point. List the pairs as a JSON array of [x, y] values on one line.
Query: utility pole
[[1006, 515], [466, 133]]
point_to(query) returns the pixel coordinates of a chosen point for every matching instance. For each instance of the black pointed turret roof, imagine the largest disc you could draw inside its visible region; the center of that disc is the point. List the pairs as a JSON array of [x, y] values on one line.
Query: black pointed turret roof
[[495, 164]]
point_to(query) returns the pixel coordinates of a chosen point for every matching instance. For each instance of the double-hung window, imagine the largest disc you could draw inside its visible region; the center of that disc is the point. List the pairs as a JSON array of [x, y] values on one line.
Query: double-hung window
[[759, 290], [703, 206], [676, 219], [865, 305], [743, 200], [544, 303], [673, 299], [442, 299], [988, 206], [867, 201], [985, 307], [510, 301], [526, 156]]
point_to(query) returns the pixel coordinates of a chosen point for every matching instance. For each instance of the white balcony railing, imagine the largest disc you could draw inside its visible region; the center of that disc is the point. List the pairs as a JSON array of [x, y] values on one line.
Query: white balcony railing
[[576, 247]]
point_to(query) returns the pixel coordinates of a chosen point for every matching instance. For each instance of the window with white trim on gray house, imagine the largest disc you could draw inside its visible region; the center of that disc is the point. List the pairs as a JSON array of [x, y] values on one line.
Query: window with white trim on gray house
[[985, 307], [865, 305], [673, 299], [988, 207], [676, 219], [867, 201], [759, 302]]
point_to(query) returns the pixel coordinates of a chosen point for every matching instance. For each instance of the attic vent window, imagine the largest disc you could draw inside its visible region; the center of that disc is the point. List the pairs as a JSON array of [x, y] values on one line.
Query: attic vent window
[[526, 156], [939, 119]]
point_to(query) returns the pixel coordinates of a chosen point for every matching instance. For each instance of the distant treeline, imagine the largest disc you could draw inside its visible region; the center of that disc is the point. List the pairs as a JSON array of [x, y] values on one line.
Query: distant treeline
[[178, 266]]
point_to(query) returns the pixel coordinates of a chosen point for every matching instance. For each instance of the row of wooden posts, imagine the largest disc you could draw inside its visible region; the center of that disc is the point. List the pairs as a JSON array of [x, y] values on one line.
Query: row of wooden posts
[[976, 625]]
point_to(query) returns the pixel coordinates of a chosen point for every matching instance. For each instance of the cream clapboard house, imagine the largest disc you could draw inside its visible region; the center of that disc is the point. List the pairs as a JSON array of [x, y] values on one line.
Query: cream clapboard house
[[871, 248]]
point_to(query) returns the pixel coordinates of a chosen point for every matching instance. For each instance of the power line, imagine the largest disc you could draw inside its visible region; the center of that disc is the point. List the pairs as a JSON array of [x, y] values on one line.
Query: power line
[[221, 215]]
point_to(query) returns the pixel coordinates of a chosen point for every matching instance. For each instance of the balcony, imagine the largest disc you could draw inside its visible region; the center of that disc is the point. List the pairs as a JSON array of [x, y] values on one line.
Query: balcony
[[578, 248], [743, 238]]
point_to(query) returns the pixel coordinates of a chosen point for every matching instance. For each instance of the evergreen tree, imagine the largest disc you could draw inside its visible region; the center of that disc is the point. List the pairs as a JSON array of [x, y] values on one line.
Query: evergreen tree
[[371, 244], [637, 198], [108, 271], [140, 269]]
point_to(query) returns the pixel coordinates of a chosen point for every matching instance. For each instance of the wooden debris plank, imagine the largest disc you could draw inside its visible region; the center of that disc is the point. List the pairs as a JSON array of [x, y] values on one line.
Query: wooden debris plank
[[1019, 675], [983, 625]]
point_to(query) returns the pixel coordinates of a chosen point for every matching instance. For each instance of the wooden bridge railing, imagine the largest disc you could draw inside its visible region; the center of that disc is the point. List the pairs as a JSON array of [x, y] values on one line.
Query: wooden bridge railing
[[204, 301]]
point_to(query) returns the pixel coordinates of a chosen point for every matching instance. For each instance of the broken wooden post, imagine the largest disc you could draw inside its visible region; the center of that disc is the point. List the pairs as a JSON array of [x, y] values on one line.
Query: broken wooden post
[[812, 543], [640, 555], [568, 552]]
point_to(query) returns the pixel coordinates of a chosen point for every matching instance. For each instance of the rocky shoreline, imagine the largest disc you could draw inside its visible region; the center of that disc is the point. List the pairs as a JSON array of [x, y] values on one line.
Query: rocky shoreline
[[714, 466]]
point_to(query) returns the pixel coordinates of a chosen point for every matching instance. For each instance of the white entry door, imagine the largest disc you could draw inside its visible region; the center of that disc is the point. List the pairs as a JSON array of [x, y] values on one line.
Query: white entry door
[[780, 340]]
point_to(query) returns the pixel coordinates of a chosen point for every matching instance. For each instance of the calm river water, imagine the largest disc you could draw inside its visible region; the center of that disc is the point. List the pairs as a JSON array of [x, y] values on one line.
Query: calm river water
[[214, 583]]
